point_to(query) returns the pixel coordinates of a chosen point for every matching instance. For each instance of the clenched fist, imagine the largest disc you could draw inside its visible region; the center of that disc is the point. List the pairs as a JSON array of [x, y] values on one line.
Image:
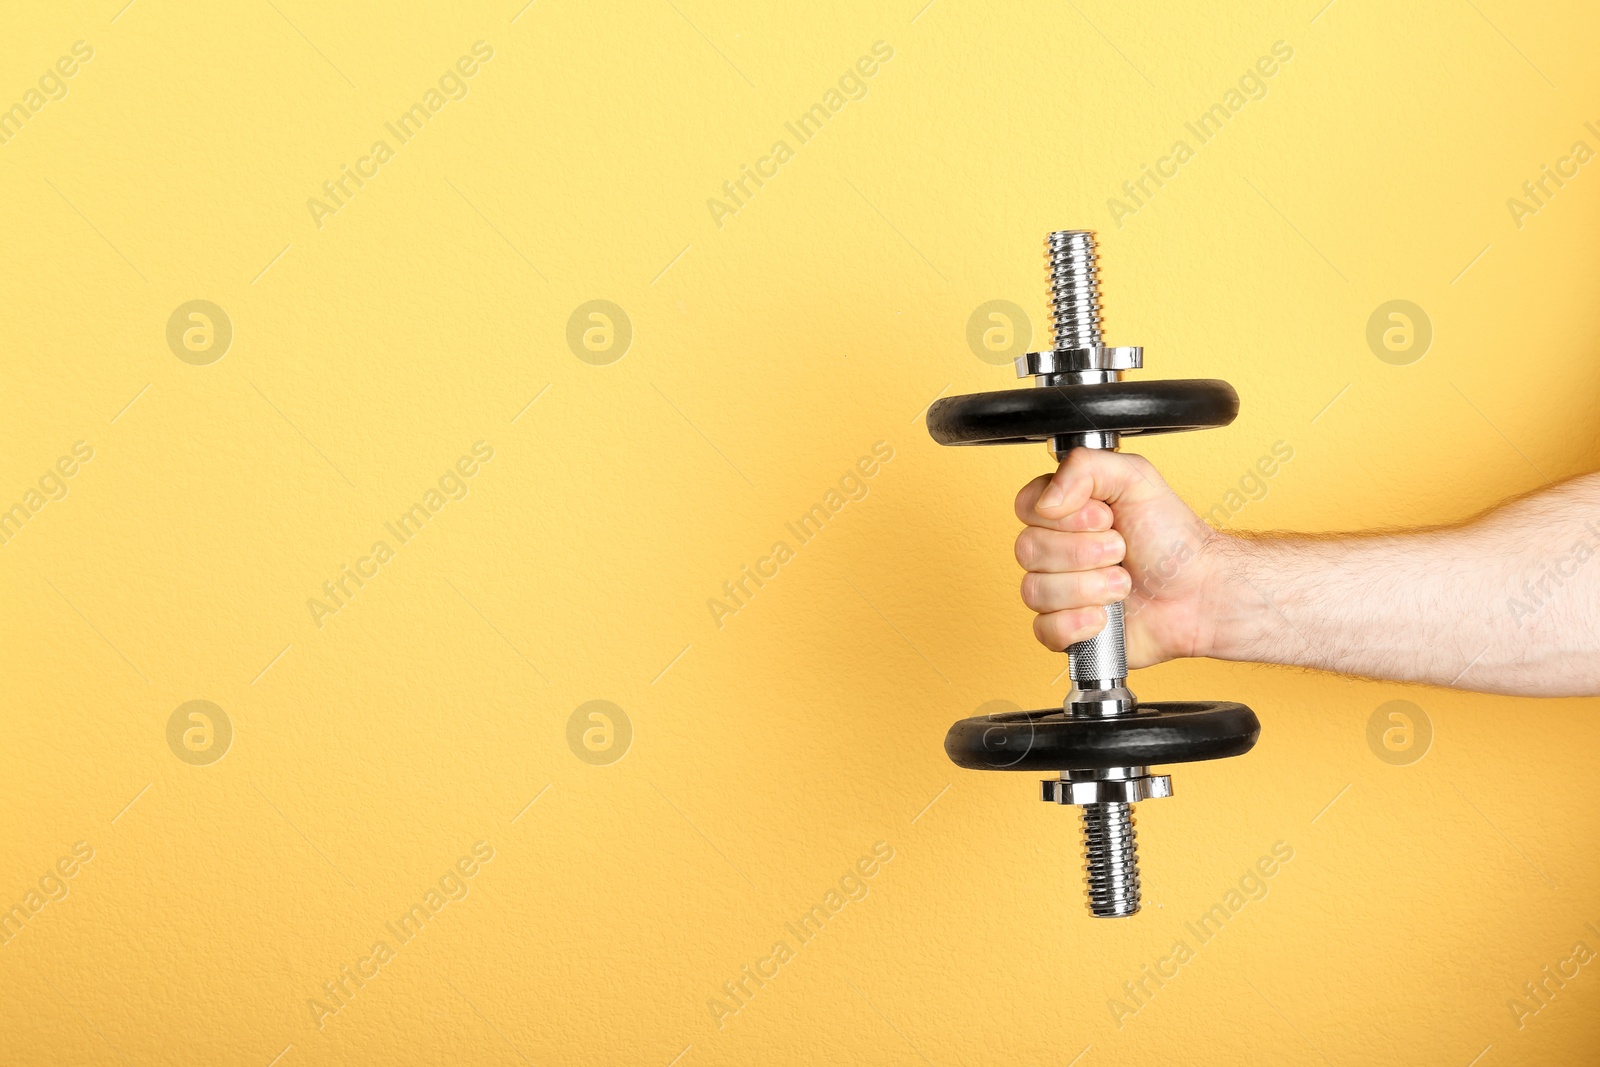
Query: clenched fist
[[1105, 527]]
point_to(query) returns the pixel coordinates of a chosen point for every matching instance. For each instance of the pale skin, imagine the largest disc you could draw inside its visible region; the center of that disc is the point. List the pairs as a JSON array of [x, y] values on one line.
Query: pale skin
[[1507, 602]]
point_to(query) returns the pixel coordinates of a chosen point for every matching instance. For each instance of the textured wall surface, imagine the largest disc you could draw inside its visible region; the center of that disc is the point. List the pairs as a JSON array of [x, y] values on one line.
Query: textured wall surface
[[385, 385]]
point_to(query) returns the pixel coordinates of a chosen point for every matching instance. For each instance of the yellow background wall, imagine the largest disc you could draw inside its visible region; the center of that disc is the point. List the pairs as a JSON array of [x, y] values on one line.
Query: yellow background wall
[[374, 747]]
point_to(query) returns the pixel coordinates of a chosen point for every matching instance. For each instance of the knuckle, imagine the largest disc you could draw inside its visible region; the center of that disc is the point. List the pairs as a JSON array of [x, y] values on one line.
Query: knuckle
[[1027, 548], [1118, 582], [1023, 504], [1085, 552], [1054, 631], [1144, 467], [1096, 587], [1088, 622]]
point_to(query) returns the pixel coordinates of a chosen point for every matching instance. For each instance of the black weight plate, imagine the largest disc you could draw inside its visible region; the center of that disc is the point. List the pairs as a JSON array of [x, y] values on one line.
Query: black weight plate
[[1172, 731], [1013, 416]]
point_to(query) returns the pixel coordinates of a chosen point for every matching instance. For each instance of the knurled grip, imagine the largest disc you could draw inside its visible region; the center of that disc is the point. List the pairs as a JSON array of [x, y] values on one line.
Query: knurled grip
[[1104, 656]]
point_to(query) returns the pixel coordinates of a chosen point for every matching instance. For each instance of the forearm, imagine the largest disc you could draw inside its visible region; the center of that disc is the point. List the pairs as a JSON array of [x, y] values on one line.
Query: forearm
[[1507, 603]]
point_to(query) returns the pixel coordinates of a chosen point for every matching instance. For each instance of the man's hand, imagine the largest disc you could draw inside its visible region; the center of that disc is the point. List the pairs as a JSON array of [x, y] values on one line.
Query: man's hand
[[1508, 602], [1103, 528]]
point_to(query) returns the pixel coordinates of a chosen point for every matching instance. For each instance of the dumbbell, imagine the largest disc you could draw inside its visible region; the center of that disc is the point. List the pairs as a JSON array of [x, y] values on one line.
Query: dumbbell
[[1102, 741]]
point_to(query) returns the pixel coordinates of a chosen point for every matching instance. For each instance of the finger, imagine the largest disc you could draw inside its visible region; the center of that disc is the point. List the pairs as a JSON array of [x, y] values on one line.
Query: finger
[[1041, 549], [1077, 589], [1094, 515], [1059, 629], [1096, 474]]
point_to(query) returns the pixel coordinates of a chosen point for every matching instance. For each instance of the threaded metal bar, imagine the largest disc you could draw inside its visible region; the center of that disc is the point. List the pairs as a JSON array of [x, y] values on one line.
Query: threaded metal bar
[[1074, 289], [1111, 860], [1110, 845]]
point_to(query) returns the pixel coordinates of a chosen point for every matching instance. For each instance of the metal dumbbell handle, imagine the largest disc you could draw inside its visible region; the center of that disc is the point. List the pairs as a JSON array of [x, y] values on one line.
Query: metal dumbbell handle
[[1099, 671], [1104, 657], [1098, 666]]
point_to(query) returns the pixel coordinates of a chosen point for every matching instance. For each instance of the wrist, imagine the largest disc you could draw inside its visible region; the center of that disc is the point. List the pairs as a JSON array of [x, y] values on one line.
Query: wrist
[[1232, 615]]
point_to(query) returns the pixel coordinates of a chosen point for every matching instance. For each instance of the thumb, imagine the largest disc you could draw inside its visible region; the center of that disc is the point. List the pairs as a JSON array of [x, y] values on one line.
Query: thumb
[[1097, 474]]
